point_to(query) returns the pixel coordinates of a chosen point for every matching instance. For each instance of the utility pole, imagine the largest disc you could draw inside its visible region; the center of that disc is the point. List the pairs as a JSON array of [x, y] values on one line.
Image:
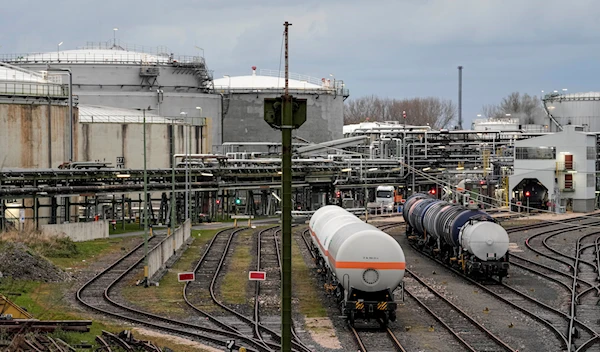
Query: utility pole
[[145, 207], [286, 141], [460, 97], [145, 201], [286, 113], [173, 197]]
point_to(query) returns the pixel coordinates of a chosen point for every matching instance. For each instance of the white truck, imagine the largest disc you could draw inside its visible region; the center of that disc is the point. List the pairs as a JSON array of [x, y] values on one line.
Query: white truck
[[384, 197]]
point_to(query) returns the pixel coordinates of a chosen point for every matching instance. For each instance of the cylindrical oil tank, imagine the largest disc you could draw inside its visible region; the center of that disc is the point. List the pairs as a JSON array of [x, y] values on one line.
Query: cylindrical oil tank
[[574, 109], [410, 202], [484, 239], [359, 254], [432, 215], [418, 211]]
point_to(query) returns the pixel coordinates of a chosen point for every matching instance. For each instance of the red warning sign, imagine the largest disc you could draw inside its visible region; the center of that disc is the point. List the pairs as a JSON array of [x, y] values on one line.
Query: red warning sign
[[182, 277], [257, 275]]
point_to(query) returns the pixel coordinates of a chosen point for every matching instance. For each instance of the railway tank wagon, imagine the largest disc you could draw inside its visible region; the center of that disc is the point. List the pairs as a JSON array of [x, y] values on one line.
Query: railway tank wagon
[[468, 239], [361, 264]]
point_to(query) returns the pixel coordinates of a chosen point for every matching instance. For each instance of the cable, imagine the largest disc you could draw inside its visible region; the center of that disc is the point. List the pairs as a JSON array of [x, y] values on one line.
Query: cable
[[280, 56]]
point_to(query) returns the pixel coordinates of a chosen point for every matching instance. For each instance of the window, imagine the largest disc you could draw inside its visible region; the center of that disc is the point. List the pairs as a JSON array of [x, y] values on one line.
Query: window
[[539, 153], [384, 194], [591, 153], [591, 180]]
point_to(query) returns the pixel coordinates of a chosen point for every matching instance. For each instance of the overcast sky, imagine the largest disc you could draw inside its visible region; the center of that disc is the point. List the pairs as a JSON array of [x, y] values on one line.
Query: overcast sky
[[395, 48]]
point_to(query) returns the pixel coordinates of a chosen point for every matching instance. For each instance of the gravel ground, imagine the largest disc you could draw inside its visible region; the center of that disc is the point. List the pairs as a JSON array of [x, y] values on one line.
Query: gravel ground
[[505, 322], [20, 262]]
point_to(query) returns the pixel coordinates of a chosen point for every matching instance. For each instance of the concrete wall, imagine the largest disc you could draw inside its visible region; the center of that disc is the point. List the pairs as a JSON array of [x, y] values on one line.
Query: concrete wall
[[107, 141], [159, 255], [34, 135], [120, 85], [244, 120], [78, 231]]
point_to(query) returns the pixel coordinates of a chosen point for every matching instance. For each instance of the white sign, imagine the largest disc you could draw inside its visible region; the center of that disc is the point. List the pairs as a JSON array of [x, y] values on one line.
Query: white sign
[[519, 203], [22, 215], [230, 344]]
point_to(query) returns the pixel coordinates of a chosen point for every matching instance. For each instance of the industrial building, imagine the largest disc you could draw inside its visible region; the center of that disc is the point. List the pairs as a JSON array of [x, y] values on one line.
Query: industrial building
[[556, 171], [243, 109]]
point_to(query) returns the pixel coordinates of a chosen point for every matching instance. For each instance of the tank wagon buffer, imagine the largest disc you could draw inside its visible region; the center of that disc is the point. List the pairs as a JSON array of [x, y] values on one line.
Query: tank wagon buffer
[[468, 239], [361, 265]]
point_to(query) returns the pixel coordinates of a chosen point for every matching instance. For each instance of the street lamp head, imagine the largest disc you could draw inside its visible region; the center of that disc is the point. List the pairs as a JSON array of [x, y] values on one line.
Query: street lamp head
[[226, 76], [61, 43], [115, 29], [183, 113], [198, 108]]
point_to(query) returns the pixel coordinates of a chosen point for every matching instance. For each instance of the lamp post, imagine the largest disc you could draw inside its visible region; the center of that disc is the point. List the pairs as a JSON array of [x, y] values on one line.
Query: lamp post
[[229, 85], [199, 48], [68, 71], [145, 201], [183, 115], [115, 37], [58, 50]]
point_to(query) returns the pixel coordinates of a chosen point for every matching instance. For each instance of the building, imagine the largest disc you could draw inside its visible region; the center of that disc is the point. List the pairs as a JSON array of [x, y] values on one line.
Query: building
[[556, 171], [243, 109], [34, 119], [110, 75], [581, 109]]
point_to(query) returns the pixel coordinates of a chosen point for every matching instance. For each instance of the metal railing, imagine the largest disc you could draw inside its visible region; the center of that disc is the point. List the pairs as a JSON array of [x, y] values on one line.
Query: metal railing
[[34, 89], [565, 166], [118, 57], [124, 119]]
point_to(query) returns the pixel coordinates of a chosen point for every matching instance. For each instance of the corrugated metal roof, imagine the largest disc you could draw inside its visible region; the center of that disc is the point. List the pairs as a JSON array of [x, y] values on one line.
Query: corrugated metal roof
[[94, 55], [16, 74], [106, 114], [586, 95], [261, 82]]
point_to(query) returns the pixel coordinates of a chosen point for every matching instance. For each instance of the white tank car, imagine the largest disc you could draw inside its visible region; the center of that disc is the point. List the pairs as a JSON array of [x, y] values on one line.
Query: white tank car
[[486, 240], [366, 258], [363, 263]]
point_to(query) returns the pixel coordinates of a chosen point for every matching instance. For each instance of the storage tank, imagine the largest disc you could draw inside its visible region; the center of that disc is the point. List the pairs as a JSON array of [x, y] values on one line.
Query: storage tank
[[243, 111], [574, 109]]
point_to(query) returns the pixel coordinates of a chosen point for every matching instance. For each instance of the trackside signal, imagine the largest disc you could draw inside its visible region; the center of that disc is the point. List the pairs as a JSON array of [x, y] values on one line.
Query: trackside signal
[[257, 275]]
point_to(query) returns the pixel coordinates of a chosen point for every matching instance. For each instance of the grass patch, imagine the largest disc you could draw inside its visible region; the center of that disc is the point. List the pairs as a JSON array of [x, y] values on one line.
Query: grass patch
[[129, 227], [233, 286], [85, 251], [305, 286], [167, 298], [46, 301]]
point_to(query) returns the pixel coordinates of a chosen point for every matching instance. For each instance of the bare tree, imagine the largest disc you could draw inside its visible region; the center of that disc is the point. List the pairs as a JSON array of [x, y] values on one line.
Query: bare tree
[[435, 112], [526, 107]]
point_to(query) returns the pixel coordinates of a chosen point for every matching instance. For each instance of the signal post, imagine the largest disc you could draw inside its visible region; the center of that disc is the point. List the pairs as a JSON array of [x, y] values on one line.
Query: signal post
[[286, 113]]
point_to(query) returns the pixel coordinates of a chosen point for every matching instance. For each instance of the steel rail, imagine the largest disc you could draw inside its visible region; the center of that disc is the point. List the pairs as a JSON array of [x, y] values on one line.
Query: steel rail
[[145, 321]]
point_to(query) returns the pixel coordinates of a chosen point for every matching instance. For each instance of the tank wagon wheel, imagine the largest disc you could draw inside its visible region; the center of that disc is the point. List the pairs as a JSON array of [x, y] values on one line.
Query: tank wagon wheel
[[392, 316], [384, 320]]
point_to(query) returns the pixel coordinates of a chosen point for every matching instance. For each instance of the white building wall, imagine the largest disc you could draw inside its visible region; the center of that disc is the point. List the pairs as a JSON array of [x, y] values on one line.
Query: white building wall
[[569, 141]]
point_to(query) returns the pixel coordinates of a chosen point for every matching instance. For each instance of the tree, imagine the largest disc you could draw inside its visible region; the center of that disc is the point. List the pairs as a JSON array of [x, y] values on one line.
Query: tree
[[435, 112], [525, 107]]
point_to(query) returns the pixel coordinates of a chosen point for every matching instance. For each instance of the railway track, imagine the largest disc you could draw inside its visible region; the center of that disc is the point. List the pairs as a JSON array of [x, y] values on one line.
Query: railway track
[[554, 319], [372, 337], [208, 268], [95, 295], [465, 328], [583, 268]]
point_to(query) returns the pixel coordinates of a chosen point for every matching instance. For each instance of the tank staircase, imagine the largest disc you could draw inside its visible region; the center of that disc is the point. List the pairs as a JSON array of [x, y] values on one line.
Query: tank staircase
[[197, 68]]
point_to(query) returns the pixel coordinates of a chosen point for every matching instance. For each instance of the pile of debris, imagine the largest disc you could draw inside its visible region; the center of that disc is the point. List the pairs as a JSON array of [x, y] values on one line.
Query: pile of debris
[[127, 342], [20, 262]]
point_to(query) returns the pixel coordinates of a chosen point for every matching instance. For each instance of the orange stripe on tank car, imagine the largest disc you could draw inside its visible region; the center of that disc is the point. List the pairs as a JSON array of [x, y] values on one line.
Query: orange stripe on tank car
[[318, 242], [371, 265]]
